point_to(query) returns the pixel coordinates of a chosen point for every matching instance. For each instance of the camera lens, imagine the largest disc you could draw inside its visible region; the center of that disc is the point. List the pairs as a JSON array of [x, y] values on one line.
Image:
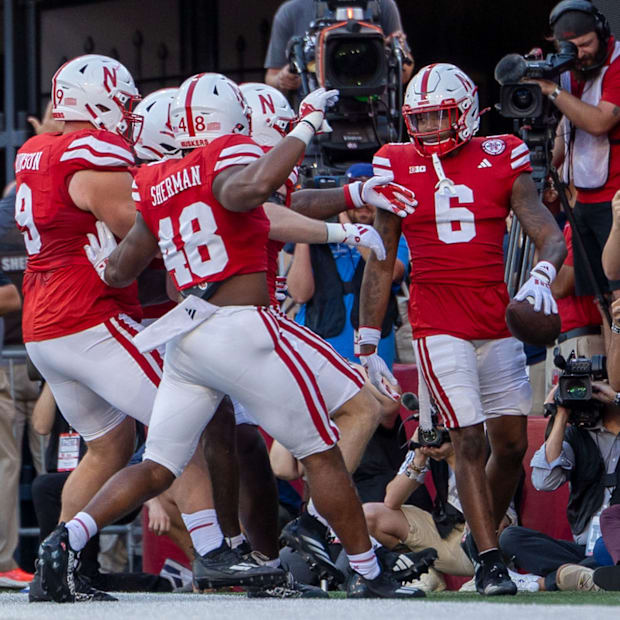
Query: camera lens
[[355, 63], [522, 98]]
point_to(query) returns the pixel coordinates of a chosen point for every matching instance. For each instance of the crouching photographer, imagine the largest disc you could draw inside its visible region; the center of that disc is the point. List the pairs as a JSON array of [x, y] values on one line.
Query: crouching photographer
[[582, 448]]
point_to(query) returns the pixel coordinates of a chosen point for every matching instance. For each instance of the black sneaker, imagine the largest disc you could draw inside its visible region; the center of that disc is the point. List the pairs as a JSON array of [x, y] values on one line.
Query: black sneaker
[[607, 577], [309, 537], [224, 567], [494, 580], [289, 589], [382, 586], [406, 566]]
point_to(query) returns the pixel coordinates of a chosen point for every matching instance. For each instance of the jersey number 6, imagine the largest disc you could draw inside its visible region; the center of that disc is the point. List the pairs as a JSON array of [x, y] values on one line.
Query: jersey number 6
[[446, 216]]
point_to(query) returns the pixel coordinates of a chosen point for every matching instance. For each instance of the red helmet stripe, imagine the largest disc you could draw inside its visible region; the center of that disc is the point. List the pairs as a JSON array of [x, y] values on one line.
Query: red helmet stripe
[[425, 79], [188, 104]]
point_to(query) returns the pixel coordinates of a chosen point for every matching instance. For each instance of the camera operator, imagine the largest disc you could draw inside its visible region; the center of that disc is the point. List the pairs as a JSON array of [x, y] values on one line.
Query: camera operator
[[294, 17], [587, 458], [588, 137]]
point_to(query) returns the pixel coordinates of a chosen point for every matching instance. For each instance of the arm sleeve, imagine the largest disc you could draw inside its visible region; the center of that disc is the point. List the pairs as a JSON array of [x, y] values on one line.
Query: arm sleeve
[[282, 29], [390, 18], [550, 476], [381, 163], [236, 151], [611, 84], [519, 156]]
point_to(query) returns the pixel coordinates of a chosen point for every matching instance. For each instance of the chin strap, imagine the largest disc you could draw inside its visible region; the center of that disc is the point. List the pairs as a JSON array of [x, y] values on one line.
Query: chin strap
[[444, 185]]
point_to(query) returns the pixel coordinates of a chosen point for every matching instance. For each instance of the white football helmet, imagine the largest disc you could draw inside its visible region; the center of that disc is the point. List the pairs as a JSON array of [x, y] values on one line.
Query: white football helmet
[[451, 98], [207, 106], [156, 139], [97, 89], [272, 116]]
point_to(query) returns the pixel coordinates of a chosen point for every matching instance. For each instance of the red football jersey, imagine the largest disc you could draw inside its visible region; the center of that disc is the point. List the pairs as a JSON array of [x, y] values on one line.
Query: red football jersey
[[200, 240], [456, 241], [62, 292]]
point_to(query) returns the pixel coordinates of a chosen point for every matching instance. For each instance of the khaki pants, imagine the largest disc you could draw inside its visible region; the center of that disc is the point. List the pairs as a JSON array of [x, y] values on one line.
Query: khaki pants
[[14, 417], [451, 558]]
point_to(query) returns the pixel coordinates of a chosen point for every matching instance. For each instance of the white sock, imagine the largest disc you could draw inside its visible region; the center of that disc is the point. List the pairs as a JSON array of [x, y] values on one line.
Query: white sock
[[365, 564], [204, 530], [235, 541], [375, 543], [81, 529], [313, 512]]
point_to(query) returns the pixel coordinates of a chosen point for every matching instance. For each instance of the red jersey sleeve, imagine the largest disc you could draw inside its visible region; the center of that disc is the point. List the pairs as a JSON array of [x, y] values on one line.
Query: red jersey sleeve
[[517, 156], [611, 81], [233, 150], [568, 237], [100, 150], [381, 163]]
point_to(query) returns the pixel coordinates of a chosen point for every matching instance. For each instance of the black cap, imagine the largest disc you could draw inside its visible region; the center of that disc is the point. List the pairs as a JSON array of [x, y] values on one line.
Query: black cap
[[573, 24]]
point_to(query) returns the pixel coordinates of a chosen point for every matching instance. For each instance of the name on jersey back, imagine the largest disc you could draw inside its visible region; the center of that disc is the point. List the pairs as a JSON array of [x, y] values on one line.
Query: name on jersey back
[[28, 161], [175, 183]]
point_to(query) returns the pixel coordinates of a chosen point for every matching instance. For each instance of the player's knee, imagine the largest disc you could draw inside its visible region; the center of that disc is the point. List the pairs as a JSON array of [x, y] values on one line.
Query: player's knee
[[470, 444], [157, 477], [510, 540], [511, 452]]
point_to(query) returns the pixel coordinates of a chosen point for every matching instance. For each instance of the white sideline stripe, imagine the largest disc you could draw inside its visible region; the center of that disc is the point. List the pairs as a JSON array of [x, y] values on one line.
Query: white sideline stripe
[[102, 147], [241, 148], [518, 150], [235, 161], [520, 162], [93, 159]]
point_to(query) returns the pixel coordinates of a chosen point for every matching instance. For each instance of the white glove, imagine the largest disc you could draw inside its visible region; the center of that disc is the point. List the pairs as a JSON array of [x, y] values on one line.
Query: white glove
[[381, 192], [538, 287], [377, 370], [356, 235], [99, 248], [312, 108]]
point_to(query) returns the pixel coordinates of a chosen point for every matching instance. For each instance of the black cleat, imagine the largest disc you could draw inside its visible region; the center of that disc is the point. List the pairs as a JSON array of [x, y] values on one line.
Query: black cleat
[[382, 586], [406, 566], [494, 580], [224, 567], [84, 592], [289, 589], [56, 564], [309, 537]]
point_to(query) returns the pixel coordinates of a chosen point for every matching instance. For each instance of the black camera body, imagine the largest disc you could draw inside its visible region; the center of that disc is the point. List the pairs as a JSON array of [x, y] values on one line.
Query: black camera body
[[521, 100], [433, 437], [345, 48], [575, 387]]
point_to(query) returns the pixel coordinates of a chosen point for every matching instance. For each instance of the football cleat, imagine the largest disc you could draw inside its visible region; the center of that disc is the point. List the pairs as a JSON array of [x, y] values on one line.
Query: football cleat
[[382, 586], [406, 566], [309, 537], [494, 580], [224, 567], [289, 589]]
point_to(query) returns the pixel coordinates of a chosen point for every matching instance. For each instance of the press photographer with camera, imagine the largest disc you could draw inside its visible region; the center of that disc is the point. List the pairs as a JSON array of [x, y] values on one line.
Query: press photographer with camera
[[583, 449], [293, 19], [588, 136]]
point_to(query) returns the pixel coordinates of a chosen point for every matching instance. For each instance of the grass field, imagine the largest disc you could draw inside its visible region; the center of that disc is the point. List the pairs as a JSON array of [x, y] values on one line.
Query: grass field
[[443, 606]]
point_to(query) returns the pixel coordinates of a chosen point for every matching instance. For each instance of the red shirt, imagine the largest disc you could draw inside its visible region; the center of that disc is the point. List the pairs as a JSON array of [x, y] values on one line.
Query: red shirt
[[610, 92], [456, 242], [62, 292], [576, 311], [199, 239]]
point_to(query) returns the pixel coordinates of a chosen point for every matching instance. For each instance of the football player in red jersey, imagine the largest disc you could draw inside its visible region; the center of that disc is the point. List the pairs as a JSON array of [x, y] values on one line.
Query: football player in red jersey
[[78, 331], [205, 214], [473, 368]]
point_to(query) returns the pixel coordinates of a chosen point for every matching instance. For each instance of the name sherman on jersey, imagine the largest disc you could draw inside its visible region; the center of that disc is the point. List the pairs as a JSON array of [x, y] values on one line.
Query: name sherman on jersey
[[175, 183], [200, 240], [456, 239]]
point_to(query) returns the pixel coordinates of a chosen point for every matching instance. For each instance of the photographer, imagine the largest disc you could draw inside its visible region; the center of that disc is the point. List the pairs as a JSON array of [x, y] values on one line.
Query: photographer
[[588, 137], [587, 458], [294, 17]]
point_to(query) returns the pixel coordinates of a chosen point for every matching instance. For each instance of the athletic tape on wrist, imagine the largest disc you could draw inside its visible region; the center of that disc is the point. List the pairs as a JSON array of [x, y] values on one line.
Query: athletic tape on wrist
[[368, 335], [544, 270], [353, 195], [304, 131]]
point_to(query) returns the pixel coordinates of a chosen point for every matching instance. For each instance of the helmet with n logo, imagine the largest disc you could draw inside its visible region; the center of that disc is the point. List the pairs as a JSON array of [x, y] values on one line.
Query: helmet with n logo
[[156, 139], [272, 116], [97, 89], [207, 106], [442, 94]]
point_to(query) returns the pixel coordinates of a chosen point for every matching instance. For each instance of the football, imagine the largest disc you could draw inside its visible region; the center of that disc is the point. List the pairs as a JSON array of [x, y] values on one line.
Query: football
[[536, 328]]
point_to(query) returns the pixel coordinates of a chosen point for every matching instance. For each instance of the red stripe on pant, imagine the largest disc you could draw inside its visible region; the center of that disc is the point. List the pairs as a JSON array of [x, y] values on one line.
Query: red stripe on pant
[[310, 404], [130, 347], [442, 400], [134, 332], [317, 343]]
